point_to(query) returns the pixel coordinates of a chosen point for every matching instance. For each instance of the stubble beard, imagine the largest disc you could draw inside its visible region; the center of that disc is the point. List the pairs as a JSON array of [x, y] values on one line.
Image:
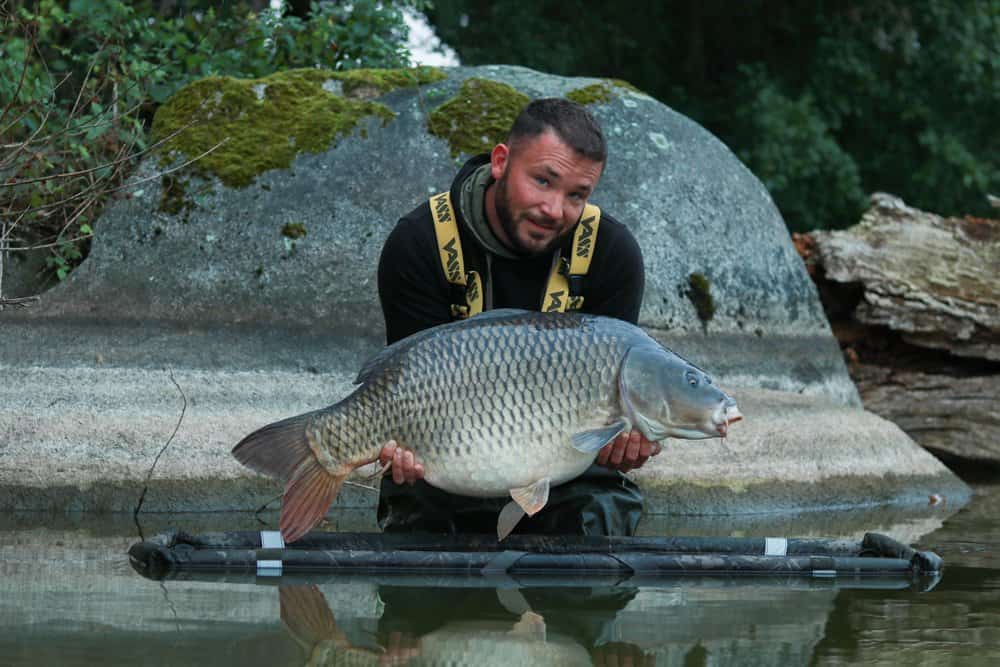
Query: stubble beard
[[509, 225]]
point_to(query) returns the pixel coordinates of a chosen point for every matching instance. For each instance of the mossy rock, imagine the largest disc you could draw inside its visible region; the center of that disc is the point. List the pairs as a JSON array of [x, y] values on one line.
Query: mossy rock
[[293, 230], [478, 117], [366, 83], [600, 92], [264, 123], [700, 293]]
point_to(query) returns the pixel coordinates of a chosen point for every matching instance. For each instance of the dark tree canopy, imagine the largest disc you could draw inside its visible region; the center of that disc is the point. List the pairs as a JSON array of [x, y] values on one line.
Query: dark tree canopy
[[825, 101]]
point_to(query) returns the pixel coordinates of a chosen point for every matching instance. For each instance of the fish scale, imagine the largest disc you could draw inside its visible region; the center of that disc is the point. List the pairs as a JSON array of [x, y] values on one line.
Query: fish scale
[[492, 388], [507, 402]]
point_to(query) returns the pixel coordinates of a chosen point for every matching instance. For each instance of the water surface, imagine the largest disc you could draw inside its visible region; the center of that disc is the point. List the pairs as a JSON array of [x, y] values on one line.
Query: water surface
[[68, 596]]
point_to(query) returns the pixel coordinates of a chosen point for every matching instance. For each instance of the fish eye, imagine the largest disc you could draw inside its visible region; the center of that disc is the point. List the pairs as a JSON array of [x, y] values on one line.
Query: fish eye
[[691, 378]]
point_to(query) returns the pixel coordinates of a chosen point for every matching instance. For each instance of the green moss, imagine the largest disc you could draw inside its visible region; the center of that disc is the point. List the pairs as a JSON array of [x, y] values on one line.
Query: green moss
[[478, 118], [600, 92], [699, 291], [622, 83], [173, 195], [594, 94], [366, 83], [294, 230], [263, 123]]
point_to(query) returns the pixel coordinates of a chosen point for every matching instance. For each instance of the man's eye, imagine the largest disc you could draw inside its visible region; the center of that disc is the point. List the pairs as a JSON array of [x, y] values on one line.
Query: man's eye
[[542, 181]]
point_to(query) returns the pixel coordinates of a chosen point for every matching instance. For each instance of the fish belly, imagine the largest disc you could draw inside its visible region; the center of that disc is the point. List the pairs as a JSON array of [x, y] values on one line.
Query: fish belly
[[514, 466]]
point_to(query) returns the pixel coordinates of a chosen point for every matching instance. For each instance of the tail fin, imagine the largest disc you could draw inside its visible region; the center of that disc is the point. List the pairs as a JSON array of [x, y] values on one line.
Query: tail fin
[[306, 614], [282, 451]]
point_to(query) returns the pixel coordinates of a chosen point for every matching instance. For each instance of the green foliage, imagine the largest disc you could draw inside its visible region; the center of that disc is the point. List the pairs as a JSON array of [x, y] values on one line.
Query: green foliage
[[824, 101], [63, 258], [80, 81], [921, 114], [790, 147]]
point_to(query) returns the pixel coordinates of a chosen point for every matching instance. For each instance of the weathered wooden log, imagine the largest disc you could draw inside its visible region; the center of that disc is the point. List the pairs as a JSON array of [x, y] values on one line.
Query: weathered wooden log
[[933, 279], [914, 299]]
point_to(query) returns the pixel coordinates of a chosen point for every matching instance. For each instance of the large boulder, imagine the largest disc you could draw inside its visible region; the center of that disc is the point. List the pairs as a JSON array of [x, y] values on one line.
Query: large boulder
[[251, 271], [294, 238]]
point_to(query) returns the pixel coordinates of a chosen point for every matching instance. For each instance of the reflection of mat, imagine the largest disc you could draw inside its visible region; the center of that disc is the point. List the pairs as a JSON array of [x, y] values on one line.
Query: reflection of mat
[[548, 559]]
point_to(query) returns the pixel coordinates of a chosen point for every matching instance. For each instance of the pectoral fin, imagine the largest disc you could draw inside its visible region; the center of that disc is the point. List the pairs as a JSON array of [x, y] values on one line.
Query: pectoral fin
[[591, 442], [526, 500], [532, 498], [530, 627]]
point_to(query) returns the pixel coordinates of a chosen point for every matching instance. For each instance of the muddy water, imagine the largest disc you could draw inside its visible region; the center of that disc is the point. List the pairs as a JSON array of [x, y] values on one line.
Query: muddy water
[[68, 596]]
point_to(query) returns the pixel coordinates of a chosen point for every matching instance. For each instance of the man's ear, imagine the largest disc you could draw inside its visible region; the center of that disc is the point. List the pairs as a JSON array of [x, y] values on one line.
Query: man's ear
[[499, 159]]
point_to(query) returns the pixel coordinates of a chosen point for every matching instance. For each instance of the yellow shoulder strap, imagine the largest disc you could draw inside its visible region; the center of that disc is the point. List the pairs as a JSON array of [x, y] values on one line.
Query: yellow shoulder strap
[[450, 255], [558, 297]]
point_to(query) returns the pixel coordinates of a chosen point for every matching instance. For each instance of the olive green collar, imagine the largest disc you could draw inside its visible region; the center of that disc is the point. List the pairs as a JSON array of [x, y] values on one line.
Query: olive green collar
[[473, 205]]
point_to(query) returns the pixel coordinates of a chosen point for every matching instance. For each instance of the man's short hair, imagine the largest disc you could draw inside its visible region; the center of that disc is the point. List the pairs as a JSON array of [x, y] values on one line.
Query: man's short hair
[[571, 122]]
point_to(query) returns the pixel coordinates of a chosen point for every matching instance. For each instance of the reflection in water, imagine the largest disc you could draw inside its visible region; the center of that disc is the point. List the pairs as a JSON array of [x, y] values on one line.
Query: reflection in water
[[958, 623], [69, 597], [464, 627]]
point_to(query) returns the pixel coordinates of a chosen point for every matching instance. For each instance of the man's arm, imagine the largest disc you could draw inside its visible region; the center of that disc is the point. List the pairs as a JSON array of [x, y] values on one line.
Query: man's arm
[[411, 286], [617, 277], [629, 451]]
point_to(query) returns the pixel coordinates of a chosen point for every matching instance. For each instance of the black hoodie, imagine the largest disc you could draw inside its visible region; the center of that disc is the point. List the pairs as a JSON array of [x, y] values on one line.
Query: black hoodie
[[415, 294]]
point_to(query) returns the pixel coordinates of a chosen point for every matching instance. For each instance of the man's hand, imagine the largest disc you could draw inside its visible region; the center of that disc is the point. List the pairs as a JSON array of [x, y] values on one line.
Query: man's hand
[[628, 451], [403, 647], [403, 466]]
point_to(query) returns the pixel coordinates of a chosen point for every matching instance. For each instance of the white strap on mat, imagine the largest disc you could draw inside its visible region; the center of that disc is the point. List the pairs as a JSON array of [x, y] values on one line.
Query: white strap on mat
[[775, 546]]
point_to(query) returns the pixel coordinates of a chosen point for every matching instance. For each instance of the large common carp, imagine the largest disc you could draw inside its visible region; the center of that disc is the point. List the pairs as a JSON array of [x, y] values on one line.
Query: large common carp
[[507, 402]]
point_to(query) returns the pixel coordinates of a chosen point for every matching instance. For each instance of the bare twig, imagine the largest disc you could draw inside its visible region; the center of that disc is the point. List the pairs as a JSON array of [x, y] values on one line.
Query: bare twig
[[264, 506], [92, 190], [83, 172], [149, 475]]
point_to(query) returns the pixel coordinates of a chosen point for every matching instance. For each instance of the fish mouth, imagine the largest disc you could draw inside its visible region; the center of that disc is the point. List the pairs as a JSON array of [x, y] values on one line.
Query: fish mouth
[[726, 415]]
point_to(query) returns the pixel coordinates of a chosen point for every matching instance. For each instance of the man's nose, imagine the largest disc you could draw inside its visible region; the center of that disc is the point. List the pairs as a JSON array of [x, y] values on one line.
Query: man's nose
[[552, 206]]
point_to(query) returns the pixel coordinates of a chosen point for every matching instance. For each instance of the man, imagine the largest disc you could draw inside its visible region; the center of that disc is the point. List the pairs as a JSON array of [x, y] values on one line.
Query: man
[[516, 210]]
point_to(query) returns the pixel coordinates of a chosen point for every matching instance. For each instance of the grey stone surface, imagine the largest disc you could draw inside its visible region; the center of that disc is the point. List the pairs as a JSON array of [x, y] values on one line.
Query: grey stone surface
[[88, 396], [795, 453], [84, 438], [692, 205]]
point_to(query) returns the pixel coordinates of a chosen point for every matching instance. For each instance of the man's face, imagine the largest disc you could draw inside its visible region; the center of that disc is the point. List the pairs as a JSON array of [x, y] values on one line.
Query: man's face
[[541, 189]]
